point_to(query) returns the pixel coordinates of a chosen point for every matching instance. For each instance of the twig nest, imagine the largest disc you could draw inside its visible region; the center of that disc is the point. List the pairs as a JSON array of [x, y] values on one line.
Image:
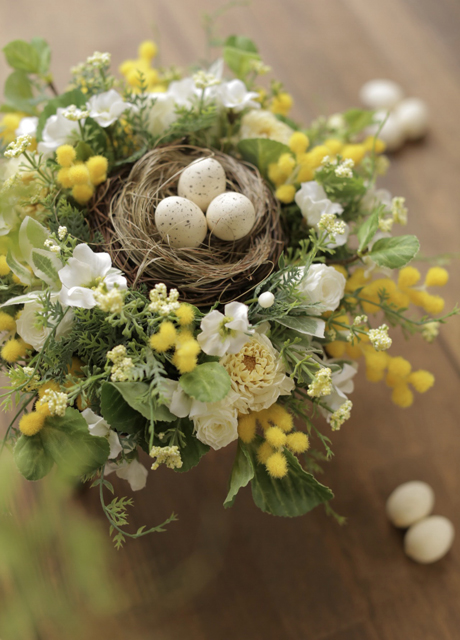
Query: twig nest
[[409, 503], [381, 94], [202, 181], [231, 216], [429, 540], [216, 270], [180, 222]]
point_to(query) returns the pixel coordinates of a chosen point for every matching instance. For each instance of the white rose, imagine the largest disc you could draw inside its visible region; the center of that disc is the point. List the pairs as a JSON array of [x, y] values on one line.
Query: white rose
[[323, 286], [219, 426], [161, 114], [36, 336]]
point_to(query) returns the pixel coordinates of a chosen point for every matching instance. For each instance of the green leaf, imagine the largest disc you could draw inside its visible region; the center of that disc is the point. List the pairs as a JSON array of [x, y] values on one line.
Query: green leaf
[[242, 474], [242, 43], [44, 53], [18, 269], [239, 60], [137, 395], [46, 265], [32, 235], [22, 56], [31, 458], [394, 252], [357, 120], [18, 92], [118, 413], [75, 97], [208, 382], [83, 151], [193, 450], [294, 495], [261, 152], [67, 440], [369, 228], [304, 324]]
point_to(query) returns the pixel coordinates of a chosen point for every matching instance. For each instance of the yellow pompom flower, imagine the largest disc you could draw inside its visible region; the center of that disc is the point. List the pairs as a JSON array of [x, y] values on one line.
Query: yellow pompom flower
[[355, 152], [165, 339], [184, 359], [336, 349], [433, 305], [398, 367], [4, 267], [421, 380], [8, 125], [297, 442], [14, 350], [82, 193], [275, 174], [275, 415], [247, 427], [64, 179], [372, 143], [97, 169], [402, 396], [65, 155], [436, 277], [285, 193], [305, 174], [317, 154], [185, 314], [147, 50], [31, 423], [276, 465], [335, 146], [376, 363], [43, 408], [264, 452], [50, 385], [298, 142], [282, 103], [408, 277], [275, 437], [286, 163], [7, 323], [79, 174], [126, 66]]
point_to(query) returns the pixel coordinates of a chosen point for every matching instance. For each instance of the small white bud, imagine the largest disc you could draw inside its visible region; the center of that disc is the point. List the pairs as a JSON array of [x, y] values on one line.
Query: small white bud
[[266, 299]]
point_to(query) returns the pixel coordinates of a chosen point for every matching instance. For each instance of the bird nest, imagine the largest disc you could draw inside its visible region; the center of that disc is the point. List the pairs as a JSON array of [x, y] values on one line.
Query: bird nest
[[123, 213]]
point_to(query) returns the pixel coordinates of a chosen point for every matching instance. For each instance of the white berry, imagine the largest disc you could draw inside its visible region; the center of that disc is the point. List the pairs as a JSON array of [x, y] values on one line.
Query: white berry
[[266, 299]]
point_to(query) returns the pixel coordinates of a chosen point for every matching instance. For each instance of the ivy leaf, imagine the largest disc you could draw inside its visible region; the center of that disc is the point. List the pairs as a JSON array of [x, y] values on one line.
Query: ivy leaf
[[208, 382], [75, 97], [394, 252], [117, 412], [31, 458], [44, 53], [136, 394], [18, 92], [261, 152], [369, 228], [304, 324], [242, 474], [294, 495], [193, 449], [22, 56]]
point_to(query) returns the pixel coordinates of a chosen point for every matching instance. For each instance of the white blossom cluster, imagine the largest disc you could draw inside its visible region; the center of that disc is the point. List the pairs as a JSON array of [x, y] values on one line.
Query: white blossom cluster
[[321, 384], [170, 456], [122, 365], [109, 301], [380, 339], [16, 148], [341, 415], [56, 401], [161, 302]]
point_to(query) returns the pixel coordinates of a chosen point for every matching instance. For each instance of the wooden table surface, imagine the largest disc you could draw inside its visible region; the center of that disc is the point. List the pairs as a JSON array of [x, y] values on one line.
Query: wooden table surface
[[241, 574]]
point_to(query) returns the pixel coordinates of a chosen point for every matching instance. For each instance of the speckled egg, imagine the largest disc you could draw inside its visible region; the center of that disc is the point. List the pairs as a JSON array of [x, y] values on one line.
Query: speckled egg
[[202, 181], [231, 216], [180, 222]]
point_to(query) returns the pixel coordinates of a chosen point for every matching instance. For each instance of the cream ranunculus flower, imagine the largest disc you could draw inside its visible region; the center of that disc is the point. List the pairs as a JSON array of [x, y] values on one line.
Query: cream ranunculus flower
[[105, 108], [322, 286], [258, 375], [259, 123], [36, 336]]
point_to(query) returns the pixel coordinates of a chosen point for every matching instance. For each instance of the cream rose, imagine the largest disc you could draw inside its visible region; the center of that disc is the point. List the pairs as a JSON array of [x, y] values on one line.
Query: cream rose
[[218, 427], [322, 286], [257, 374]]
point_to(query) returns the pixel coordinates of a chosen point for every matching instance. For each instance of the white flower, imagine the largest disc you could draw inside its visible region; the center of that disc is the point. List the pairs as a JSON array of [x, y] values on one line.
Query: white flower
[[221, 334], [36, 336], [322, 286], [177, 401], [218, 426], [313, 202], [234, 95], [99, 427], [182, 92], [58, 130], [134, 472], [259, 123], [161, 114], [84, 272], [257, 374], [27, 126], [105, 108], [375, 197]]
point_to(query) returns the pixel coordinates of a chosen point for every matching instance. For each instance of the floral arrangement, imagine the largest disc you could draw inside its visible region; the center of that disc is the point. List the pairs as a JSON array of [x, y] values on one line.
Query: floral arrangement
[[105, 358]]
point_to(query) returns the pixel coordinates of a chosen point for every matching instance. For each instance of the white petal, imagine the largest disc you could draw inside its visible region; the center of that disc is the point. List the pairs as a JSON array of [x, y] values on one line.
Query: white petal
[[135, 473], [114, 443]]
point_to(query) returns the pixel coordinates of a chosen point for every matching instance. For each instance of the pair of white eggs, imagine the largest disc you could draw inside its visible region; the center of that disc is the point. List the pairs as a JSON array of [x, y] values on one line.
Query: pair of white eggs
[[181, 220], [428, 537], [404, 118]]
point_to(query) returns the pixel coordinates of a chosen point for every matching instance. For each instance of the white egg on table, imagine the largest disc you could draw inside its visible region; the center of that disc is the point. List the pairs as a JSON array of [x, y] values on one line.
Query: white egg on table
[[231, 216], [392, 133], [409, 503], [413, 117], [429, 539], [201, 181], [180, 222], [381, 94]]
